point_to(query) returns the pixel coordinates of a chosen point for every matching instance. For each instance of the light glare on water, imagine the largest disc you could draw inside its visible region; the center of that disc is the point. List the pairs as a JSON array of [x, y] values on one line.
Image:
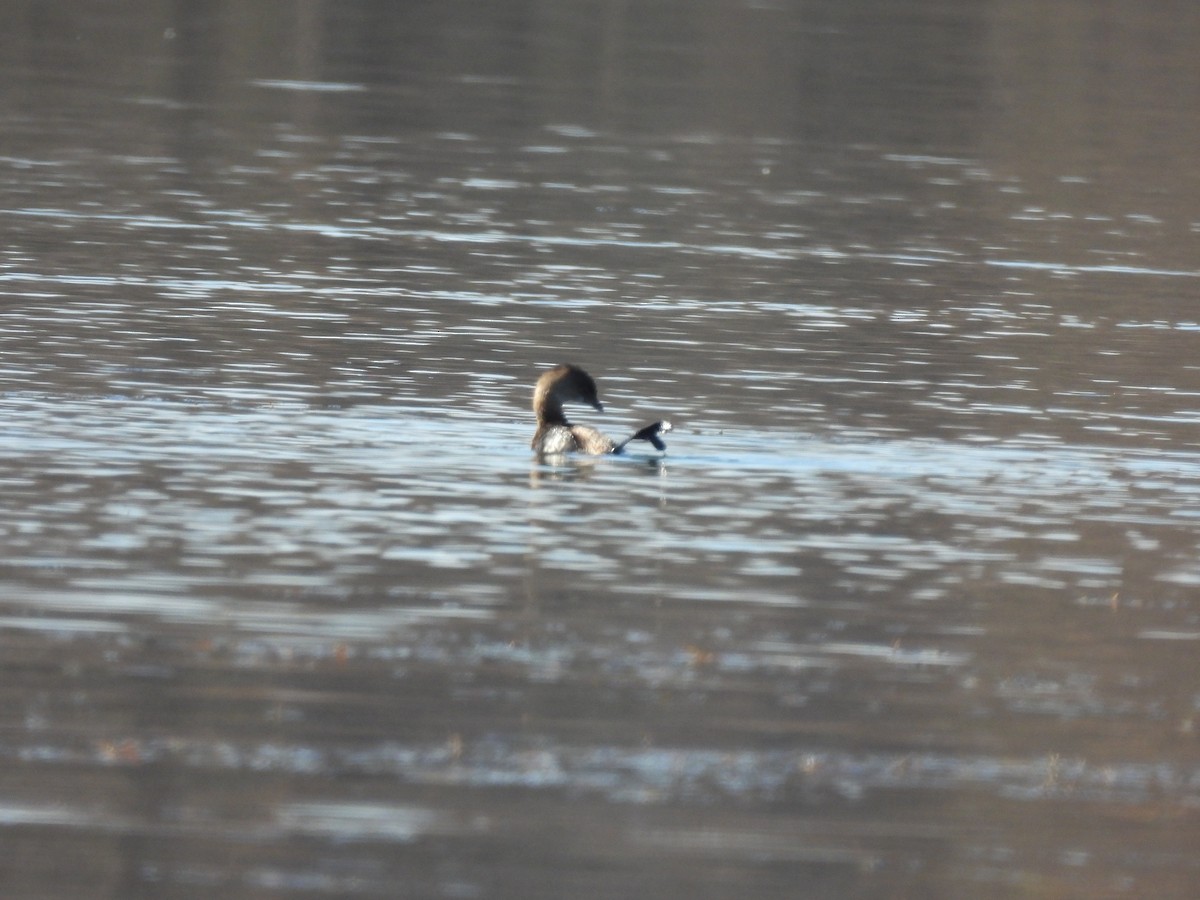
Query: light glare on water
[[908, 608]]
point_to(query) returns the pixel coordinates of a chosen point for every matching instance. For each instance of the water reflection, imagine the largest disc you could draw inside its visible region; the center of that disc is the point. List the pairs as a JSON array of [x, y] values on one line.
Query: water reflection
[[907, 608]]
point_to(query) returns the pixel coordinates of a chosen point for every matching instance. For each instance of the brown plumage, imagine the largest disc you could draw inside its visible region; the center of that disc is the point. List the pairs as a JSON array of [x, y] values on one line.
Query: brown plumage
[[570, 384]]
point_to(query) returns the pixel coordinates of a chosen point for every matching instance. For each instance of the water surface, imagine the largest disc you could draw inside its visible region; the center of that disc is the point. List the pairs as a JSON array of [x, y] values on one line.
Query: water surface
[[908, 609]]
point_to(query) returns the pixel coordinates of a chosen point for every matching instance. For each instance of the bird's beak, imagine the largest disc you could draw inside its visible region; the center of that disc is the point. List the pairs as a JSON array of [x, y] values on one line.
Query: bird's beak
[[598, 406]]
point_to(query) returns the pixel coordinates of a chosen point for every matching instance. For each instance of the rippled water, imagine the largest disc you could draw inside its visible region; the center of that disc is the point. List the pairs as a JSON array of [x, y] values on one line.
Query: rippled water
[[909, 608]]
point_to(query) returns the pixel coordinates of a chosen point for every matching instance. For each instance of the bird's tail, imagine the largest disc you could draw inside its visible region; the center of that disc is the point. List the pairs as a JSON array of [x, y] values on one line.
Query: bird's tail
[[650, 434]]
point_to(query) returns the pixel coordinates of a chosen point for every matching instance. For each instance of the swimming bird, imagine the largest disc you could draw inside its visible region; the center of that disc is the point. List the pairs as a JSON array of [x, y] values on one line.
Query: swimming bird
[[570, 384]]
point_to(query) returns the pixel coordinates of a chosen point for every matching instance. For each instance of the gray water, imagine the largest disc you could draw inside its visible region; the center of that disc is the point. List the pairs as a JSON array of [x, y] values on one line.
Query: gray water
[[910, 607]]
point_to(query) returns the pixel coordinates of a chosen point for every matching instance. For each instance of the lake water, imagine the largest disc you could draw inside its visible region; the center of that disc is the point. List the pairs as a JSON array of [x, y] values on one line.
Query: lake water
[[911, 606]]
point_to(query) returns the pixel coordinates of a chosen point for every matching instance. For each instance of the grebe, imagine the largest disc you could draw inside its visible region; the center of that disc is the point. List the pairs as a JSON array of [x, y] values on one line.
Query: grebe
[[554, 435]]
